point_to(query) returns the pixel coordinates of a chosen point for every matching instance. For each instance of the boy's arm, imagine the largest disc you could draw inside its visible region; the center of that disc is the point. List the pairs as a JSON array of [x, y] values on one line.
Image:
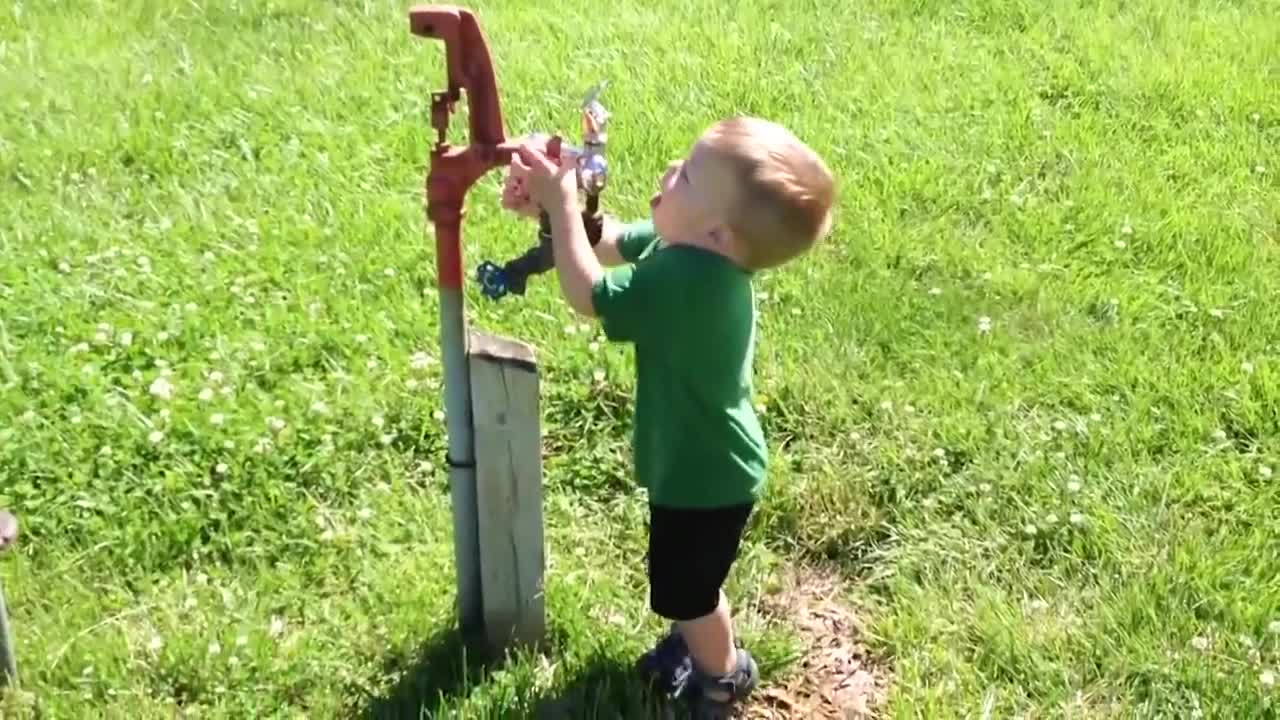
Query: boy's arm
[[607, 250], [577, 266]]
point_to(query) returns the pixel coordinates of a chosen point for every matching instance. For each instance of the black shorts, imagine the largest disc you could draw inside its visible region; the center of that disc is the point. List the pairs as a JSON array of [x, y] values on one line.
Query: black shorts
[[690, 553]]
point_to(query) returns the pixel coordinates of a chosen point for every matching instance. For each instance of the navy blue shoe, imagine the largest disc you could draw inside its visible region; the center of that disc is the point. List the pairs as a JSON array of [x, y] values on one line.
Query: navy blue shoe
[[713, 697], [667, 664]]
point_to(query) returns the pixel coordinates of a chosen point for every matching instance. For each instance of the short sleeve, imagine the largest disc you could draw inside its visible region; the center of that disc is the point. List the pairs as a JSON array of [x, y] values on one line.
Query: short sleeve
[[635, 239], [632, 299]]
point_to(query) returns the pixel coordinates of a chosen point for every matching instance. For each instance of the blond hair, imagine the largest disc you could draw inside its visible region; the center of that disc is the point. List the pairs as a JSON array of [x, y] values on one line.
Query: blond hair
[[782, 203]]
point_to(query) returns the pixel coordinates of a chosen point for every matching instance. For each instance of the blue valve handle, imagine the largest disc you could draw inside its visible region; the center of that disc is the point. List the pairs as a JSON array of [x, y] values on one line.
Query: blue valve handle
[[511, 277]]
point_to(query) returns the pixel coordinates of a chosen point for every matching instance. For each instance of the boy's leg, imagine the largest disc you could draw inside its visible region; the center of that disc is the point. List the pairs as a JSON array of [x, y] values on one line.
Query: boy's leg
[[710, 639], [690, 554]]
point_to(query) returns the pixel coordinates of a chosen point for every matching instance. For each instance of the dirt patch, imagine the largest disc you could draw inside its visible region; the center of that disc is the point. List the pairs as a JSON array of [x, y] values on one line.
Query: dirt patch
[[835, 676]]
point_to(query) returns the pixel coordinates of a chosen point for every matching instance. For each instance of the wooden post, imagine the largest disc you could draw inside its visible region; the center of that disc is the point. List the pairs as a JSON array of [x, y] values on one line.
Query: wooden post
[[8, 661], [508, 451]]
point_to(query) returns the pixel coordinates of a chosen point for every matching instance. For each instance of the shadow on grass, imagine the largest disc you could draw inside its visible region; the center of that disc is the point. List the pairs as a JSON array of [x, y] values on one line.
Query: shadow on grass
[[604, 687], [443, 669]]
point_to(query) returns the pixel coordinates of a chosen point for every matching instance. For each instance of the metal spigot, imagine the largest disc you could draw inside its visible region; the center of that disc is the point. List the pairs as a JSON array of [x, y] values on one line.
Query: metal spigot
[[592, 170]]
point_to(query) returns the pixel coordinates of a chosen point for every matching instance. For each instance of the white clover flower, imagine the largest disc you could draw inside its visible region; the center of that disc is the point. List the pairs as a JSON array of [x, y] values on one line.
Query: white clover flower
[[1267, 678], [420, 360], [220, 469], [217, 419], [1264, 472], [276, 628], [984, 325], [1077, 519], [216, 377], [438, 415], [319, 408], [156, 643], [215, 648], [206, 395], [1200, 643], [155, 437], [275, 424], [161, 388]]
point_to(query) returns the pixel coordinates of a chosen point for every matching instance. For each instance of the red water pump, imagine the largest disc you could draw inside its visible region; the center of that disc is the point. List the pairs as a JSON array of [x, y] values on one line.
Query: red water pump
[[451, 174]]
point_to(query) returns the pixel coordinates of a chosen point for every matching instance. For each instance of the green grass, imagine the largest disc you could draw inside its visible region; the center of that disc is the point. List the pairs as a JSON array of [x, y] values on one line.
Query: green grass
[[237, 186]]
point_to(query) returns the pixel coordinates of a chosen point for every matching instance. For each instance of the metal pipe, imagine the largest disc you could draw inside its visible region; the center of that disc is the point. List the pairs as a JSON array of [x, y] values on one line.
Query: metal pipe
[[8, 659], [447, 217], [461, 458], [8, 662]]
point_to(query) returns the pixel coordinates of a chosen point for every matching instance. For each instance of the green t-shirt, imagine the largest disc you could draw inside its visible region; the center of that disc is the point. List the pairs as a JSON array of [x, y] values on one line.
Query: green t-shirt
[[690, 314]]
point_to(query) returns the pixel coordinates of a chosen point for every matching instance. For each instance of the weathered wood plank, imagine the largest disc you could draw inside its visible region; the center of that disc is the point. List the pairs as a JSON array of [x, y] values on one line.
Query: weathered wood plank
[[506, 416]]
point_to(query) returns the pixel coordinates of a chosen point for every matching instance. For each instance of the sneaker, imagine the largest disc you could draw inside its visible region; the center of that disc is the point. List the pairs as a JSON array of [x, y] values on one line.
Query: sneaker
[[714, 697], [667, 664]]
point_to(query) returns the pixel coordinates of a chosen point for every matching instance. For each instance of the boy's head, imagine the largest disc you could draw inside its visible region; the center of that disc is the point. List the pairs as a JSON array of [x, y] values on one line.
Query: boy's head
[[749, 189]]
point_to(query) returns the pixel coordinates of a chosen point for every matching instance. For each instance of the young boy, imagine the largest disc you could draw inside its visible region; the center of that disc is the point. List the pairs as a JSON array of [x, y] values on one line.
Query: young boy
[[748, 196]]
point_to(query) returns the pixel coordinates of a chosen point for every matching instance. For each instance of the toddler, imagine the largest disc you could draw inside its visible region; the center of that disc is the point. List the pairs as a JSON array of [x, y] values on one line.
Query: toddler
[[748, 196]]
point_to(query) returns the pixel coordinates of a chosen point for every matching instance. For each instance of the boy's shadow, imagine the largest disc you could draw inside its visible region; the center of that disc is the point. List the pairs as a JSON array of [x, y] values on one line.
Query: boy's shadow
[[604, 687], [443, 670]]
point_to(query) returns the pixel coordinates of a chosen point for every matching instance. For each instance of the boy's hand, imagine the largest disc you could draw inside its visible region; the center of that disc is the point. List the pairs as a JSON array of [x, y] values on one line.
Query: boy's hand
[[550, 184]]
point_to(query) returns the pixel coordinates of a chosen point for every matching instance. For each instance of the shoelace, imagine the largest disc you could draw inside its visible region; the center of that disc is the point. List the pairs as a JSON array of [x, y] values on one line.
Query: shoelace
[[680, 681]]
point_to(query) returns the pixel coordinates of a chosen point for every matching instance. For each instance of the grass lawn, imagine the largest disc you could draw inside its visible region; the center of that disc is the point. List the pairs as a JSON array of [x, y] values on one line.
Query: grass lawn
[[1024, 404]]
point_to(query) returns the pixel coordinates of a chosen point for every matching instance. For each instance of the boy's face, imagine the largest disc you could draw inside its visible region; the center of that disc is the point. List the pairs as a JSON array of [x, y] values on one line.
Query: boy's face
[[694, 197]]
